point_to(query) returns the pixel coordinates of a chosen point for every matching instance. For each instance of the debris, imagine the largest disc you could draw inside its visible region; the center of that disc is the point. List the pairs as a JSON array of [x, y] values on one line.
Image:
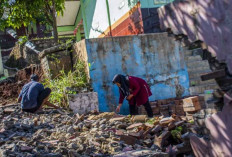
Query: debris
[[54, 133]]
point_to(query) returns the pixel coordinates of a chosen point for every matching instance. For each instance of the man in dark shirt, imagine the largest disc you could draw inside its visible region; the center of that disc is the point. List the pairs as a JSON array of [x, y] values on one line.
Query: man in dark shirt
[[33, 96]]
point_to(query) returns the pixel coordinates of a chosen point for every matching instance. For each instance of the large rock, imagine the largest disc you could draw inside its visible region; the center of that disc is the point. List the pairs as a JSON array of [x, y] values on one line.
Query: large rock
[[83, 102]]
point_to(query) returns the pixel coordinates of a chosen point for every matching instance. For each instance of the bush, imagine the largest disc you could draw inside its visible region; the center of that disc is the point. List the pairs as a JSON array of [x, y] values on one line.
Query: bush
[[77, 79], [23, 39]]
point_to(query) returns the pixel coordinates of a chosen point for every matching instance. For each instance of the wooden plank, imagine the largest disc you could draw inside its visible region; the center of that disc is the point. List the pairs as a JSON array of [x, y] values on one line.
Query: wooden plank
[[213, 75]]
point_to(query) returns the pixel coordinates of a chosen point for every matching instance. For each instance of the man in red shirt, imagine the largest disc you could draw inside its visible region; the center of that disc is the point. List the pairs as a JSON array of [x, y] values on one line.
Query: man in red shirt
[[136, 91]]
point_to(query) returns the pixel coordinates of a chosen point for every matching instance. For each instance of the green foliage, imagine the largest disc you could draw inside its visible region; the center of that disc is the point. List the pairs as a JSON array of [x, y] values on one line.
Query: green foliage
[[151, 121], [76, 79], [23, 39], [2, 78], [22, 12], [176, 134]]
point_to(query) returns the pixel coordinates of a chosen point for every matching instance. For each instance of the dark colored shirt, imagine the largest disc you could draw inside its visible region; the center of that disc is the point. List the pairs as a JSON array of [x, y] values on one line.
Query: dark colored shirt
[[30, 93], [140, 89]]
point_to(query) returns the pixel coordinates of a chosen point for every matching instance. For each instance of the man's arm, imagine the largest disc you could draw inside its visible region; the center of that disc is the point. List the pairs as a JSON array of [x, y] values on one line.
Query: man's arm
[[19, 99], [51, 105]]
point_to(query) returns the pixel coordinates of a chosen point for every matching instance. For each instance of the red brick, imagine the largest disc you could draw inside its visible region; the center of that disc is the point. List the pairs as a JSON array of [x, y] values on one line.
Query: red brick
[[128, 139]]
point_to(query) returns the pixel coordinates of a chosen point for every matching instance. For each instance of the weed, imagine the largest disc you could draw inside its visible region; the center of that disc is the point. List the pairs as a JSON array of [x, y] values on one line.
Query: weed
[[176, 134], [76, 79]]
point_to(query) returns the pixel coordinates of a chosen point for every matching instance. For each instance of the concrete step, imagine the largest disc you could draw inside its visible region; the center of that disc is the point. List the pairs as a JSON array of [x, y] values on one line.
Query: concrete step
[[197, 70], [197, 81], [194, 73], [201, 88], [193, 58], [196, 64]]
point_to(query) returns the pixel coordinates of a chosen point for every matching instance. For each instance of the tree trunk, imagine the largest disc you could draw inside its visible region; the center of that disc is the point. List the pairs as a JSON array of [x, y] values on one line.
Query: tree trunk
[[55, 32]]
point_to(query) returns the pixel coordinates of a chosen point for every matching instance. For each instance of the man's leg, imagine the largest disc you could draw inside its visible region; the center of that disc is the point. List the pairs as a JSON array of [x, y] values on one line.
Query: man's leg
[[147, 107], [43, 99]]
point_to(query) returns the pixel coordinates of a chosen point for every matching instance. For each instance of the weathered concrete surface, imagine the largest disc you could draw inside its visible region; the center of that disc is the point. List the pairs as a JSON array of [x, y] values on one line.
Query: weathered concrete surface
[[156, 58], [209, 21], [84, 102], [55, 61], [80, 54], [220, 126]]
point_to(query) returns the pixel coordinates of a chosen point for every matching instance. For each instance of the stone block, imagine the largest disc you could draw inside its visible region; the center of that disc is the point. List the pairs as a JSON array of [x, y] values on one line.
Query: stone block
[[84, 102]]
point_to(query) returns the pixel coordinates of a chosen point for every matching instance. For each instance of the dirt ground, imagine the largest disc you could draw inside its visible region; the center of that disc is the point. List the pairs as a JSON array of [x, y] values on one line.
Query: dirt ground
[[11, 87]]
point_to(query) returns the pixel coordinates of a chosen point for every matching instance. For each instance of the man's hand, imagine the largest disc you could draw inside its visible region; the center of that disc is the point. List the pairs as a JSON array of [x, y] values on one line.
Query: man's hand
[[118, 109], [130, 97]]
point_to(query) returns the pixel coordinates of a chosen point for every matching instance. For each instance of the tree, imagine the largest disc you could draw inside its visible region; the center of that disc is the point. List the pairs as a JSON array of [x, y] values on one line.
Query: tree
[[17, 13]]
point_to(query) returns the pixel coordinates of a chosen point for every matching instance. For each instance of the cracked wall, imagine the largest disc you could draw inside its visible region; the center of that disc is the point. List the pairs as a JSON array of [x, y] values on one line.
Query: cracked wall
[[156, 58]]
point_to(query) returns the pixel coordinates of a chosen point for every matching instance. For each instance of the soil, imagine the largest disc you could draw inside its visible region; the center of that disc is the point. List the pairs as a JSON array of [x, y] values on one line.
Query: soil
[[11, 87]]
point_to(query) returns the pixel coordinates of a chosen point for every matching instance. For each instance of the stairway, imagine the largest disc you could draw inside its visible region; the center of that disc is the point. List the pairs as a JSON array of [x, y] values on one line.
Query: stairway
[[196, 66]]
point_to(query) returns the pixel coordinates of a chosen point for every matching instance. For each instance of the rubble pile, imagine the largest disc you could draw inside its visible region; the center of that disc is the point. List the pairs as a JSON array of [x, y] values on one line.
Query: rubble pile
[[54, 133], [11, 87]]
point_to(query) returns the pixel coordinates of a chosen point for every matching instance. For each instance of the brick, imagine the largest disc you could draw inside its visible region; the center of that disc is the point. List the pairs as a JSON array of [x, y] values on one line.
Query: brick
[[120, 132], [179, 123], [160, 141], [135, 126], [166, 121], [156, 129], [128, 139], [137, 134], [139, 118], [213, 75], [171, 126], [191, 104], [117, 119], [9, 110]]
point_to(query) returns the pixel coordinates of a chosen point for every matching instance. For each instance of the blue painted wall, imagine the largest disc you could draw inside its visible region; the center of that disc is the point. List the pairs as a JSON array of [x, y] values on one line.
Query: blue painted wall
[[156, 58]]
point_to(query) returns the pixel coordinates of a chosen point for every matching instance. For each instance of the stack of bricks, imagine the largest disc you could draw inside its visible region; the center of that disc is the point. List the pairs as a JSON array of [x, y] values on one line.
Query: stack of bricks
[[179, 107], [165, 107], [188, 106], [154, 106], [192, 105]]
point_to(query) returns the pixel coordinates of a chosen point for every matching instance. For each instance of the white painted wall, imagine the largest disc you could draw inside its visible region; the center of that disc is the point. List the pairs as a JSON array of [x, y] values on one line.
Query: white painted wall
[[100, 19], [118, 8]]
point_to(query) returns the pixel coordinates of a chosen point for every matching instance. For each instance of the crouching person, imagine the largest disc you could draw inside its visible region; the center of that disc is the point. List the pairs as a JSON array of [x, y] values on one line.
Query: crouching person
[[33, 96]]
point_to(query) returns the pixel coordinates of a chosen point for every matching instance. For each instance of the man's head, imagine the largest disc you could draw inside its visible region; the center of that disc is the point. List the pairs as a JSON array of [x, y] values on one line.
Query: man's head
[[34, 77]]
